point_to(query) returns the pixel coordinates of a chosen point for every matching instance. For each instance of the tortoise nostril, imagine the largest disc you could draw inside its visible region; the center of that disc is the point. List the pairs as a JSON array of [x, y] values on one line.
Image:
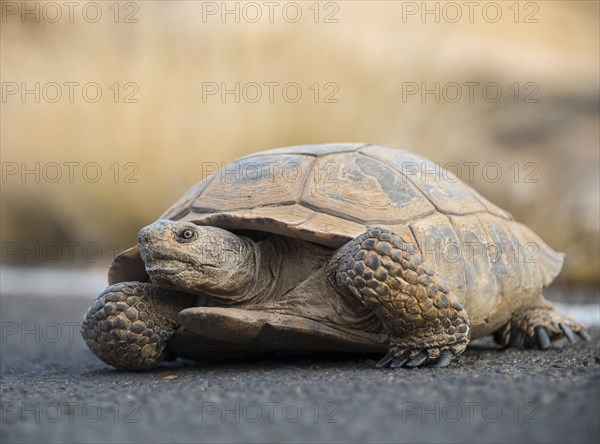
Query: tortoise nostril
[[143, 238]]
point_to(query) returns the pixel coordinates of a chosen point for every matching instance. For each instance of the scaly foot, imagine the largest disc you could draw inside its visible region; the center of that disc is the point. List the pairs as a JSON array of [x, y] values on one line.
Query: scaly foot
[[539, 327], [425, 321], [129, 324]]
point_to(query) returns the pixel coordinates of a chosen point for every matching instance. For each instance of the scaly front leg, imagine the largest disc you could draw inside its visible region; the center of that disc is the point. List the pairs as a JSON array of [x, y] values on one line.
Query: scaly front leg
[[130, 324], [425, 321]]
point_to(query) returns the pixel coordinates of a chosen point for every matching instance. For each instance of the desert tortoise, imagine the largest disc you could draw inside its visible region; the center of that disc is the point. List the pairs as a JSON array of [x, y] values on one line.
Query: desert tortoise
[[350, 247]]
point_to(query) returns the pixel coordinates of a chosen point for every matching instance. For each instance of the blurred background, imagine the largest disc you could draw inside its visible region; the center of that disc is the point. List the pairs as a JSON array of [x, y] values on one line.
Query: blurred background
[[110, 112]]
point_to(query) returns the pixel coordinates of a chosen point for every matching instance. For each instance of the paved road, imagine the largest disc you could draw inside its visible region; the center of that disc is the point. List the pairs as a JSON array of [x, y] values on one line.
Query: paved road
[[55, 390]]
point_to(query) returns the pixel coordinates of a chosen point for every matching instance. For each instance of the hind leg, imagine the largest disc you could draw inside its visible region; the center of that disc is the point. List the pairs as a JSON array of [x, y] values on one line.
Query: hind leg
[[538, 327]]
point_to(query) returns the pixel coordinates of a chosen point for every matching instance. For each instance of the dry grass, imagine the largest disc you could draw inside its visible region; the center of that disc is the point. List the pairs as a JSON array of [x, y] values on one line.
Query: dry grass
[[369, 54]]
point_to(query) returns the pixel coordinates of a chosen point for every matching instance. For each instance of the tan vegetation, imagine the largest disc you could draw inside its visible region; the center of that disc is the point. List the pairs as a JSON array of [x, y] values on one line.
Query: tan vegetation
[[371, 54]]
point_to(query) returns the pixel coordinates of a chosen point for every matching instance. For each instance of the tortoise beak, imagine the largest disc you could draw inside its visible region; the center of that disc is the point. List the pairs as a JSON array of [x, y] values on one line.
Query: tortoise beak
[[145, 236]]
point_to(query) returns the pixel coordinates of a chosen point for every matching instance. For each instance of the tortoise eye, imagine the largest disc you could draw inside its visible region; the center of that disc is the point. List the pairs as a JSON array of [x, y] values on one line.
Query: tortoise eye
[[187, 234]]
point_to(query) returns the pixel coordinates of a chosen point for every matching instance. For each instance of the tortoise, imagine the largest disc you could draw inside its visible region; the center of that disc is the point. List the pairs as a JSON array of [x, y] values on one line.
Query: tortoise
[[338, 247]]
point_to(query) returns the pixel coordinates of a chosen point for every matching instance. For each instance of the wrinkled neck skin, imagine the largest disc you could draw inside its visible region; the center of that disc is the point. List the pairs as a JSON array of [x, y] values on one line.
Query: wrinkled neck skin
[[249, 279], [237, 286], [277, 264]]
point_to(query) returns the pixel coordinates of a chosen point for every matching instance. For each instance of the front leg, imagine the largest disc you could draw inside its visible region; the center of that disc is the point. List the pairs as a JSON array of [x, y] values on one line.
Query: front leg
[[130, 324], [425, 321]]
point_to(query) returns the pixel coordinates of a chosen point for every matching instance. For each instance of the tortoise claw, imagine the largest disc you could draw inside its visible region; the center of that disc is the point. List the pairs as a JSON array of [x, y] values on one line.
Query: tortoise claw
[[584, 335], [539, 327], [401, 360], [417, 360], [543, 337], [386, 360], [568, 332], [444, 359], [516, 338], [404, 360]]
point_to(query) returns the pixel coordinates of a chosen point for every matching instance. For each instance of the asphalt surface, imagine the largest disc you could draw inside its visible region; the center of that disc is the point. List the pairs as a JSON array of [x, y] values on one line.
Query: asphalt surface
[[54, 390]]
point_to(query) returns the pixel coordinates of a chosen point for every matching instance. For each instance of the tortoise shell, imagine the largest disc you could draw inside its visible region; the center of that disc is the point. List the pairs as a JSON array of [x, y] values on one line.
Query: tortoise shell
[[331, 193]]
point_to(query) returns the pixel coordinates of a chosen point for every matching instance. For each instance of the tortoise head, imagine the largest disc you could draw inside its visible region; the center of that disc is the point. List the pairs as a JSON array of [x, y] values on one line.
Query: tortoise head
[[196, 259]]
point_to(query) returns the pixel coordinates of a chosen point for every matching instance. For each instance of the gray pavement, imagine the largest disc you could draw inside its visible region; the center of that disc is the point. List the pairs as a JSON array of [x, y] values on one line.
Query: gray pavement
[[54, 390]]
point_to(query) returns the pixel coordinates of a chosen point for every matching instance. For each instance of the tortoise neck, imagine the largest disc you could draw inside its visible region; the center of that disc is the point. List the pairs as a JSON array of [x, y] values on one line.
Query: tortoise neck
[[280, 264], [254, 280], [266, 269]]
